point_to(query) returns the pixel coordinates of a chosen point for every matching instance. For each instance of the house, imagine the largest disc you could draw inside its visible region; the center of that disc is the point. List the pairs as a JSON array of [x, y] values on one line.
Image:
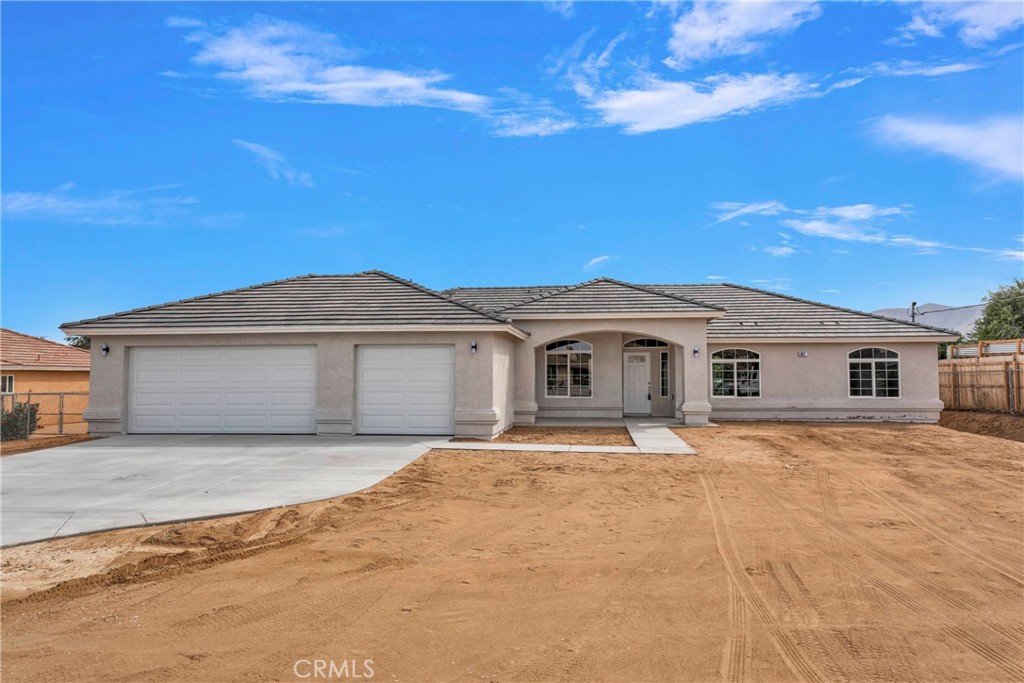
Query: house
[[37, 365], [371, 353]]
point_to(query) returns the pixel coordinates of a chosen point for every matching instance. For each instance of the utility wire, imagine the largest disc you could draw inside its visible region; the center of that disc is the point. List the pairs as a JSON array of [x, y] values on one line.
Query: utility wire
[[957, 308]]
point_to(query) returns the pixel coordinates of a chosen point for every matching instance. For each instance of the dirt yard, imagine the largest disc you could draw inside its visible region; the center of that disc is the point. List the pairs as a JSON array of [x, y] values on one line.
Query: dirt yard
[[577, 436], [990, 424], [782, 552], [39, 443]]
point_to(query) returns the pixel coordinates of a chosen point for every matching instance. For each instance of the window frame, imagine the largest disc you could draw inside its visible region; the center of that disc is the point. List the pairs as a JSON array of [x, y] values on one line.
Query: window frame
[[872, 361], [648, 343], [665, 373], [8, 380], [562, 347], [733, 362]]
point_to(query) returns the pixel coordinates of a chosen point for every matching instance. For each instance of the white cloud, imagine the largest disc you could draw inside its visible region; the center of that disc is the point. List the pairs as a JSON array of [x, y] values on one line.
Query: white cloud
[[596, 261], [906, 67], [734, 210], [658, 105], [183, 22], [716, 277], [562, 7], [279, 60], [780, 251], [117, 207], [710, 30], [860, 212], [836, 230], [995, 144], [979, 23], [275, 163], [528, 116]]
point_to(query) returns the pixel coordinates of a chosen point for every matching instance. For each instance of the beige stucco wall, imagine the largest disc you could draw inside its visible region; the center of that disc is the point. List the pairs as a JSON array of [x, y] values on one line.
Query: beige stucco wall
[[478, 412], [503, 385], [607, 336], [817, 387]]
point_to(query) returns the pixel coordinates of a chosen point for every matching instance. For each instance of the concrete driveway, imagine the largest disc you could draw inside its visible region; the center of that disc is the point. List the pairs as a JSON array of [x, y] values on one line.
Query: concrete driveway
[[125, 481]]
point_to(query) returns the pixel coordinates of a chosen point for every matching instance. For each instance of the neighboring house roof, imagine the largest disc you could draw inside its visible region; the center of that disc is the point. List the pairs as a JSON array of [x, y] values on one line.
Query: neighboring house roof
[[21, 352], [749, 312], [371, 298], [607, 296]]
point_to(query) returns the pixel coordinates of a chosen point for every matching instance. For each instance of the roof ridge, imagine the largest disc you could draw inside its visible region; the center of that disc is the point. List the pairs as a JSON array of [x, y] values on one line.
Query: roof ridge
[[191, 298], [43, 339], [646, 288], [845, 310], [456, 289], [427, 290]]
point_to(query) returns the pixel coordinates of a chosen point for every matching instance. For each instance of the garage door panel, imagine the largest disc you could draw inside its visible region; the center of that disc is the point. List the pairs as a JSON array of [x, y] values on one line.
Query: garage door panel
[[405, 389], [223, 389]]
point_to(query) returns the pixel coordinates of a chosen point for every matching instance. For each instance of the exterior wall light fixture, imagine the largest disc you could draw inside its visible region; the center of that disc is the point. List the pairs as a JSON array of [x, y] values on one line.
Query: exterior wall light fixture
[[104, 349], [472, 346], [696, 352]]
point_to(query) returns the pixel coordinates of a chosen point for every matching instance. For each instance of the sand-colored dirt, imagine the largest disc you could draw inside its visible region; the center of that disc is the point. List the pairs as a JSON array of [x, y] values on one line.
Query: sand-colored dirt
[[990, 424], [578, 436], [782, 552]]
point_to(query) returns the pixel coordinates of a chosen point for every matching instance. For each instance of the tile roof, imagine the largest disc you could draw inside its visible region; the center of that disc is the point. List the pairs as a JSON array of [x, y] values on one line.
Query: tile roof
[[603, 296], [20, 351], [749, 312], [360, 299]]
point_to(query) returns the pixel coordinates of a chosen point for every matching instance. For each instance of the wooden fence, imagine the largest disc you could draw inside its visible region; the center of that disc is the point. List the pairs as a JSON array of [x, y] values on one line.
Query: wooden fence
[[989, 384]]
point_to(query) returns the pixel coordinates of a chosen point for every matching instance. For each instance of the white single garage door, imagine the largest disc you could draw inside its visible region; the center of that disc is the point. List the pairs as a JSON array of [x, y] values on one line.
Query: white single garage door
[[222, 389], [405, 390]]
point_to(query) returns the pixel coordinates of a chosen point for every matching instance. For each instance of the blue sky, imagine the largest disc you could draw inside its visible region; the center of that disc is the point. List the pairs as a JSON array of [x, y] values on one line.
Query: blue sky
[[862, 155]]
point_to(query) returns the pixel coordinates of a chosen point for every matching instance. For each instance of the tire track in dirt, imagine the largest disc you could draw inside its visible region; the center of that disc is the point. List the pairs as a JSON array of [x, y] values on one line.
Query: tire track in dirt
[[790, 652], [988, 646], [954, 598], [934, 531], [736, 653]]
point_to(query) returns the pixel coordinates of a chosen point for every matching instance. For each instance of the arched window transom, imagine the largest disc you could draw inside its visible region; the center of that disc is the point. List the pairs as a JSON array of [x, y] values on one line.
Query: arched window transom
[[569, 369], [736, 372], [645, 343]]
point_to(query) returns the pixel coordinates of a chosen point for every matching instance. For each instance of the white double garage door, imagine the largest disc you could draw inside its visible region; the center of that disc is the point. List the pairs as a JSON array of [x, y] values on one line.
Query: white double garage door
[[399, 389]]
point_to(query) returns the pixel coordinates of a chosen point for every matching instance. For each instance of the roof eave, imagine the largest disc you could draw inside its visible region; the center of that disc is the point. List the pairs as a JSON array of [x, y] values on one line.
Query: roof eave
[[293, 329]]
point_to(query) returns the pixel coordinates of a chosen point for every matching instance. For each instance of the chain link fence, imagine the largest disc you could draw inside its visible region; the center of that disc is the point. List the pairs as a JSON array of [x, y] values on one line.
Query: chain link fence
[[41, 415]]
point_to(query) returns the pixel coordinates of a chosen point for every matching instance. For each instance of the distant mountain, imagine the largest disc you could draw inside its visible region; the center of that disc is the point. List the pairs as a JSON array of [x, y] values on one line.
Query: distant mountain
[[961, 320]]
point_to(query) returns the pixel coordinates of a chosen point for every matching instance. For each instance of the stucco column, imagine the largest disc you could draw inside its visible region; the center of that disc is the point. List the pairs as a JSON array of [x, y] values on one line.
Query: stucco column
[[678, 383], [525, 405], [695, 408]]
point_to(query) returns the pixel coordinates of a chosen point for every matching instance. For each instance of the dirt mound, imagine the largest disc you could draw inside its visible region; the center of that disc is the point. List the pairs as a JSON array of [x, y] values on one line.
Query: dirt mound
[[1001, 425]]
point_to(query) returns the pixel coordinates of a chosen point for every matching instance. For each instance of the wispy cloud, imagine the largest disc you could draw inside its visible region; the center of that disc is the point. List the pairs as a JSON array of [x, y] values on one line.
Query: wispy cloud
[[718, 29], [147, 206], [994, 144], [657, 104], [716, 277], [859, 223], [978, 23], [520, 115], [906, 67], [279, 60], [596, 262], [563, 7], [780, 251], [275, 163]]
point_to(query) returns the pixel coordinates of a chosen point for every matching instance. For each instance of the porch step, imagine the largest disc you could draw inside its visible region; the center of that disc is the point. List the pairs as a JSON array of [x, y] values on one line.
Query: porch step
[[654, 437]]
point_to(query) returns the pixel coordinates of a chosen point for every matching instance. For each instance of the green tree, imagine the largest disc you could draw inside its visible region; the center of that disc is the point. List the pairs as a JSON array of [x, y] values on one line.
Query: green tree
[[78, 342], [1003, 317]]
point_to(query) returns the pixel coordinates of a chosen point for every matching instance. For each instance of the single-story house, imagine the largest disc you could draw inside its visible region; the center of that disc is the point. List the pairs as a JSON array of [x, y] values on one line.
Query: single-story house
[[371, 353], [37, 365]]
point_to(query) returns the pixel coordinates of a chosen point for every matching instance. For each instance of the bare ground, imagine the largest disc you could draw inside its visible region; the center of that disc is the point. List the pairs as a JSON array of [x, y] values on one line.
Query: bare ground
[[990, 424], [39, 443], [578, 436], [782, 552]]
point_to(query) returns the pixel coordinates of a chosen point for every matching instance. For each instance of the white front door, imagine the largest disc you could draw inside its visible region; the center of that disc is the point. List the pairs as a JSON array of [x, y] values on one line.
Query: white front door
[[636, 384]]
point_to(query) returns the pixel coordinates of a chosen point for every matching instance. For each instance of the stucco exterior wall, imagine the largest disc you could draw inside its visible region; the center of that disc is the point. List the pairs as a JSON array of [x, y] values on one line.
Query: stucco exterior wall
[[607, 336], [49, 381], [504, 381], [816, 387], [477, 413]]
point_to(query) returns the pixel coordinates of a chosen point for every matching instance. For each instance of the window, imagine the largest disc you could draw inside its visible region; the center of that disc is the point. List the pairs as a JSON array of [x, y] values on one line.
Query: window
[[736, 372], [644, 343], [664, 374], [569, 368], [874, 373], [7, 384]]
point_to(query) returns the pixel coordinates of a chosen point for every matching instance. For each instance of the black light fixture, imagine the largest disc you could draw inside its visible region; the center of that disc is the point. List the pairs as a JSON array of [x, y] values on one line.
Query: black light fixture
[[696, 352], [104, 349], [472, 346]]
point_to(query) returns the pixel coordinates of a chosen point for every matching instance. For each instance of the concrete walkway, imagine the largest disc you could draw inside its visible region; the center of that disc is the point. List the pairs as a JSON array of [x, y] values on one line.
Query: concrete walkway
[[125, 481], [651, 437]]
